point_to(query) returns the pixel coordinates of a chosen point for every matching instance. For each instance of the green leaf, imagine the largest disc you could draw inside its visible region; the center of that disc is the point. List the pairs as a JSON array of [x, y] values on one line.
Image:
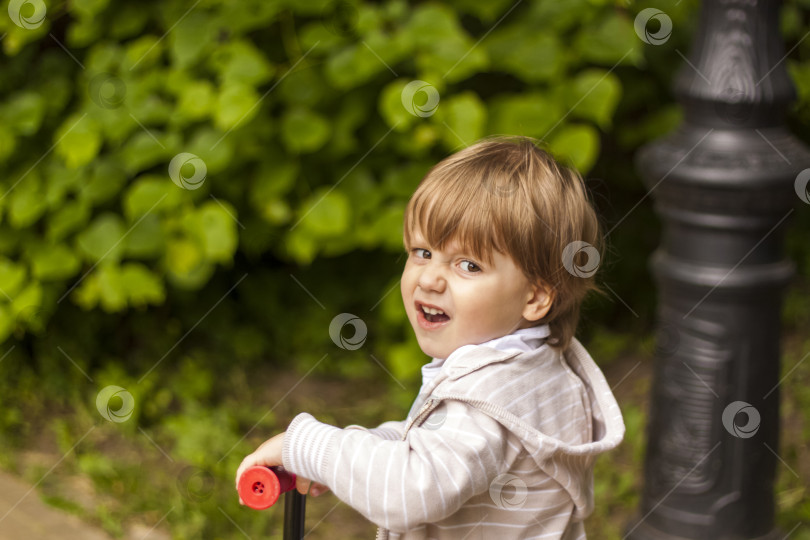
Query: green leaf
[[146, 105], [236, 105], [531, 114], [275, 178], [193, 36], [213, 147], [455, 60], [218, 228], [24, 112], [142, 53], [486, 11], [78, 140], [360, 187], [12, 276], [593, 95], [129, 21], [141, 285], [60, 180], [241, 17], [351, 114], [325, 213], [559, 16], [301, 246], [151, 193], [102, 238], [402, 181], [112, 292], [302, 87], [116, 124], [608, 40], [388, 227], [106, 180], [142, 151], [391, 106], [464, 117], [304, 131], [103, 57], [240, 62], [51, 262], [276, 211], [319, 37], [431, 23], [197, 100], [444, 48], [29, 298], [523, 51], [183, 255], [68, 218], [186, 264], [578, 143], [26, 203], [352, 66], [84, 31], [88, 8], [146, 239]]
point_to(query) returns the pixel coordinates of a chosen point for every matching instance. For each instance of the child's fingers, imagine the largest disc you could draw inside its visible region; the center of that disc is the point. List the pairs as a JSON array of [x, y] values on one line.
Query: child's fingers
[[249, 461], [302, 484], [306, 486]]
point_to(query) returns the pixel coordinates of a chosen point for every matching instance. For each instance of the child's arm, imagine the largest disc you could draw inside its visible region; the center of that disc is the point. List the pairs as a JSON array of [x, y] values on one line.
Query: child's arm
[[269, 454], [402, 484], [391, 430]]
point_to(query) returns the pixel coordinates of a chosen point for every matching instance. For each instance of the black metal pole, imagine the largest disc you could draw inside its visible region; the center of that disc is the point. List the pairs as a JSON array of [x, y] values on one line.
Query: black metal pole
[[723, 185], [294, 515]]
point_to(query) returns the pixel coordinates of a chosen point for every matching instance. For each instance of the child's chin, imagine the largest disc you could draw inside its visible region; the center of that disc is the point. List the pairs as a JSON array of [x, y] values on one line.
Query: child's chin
[[433, 352]]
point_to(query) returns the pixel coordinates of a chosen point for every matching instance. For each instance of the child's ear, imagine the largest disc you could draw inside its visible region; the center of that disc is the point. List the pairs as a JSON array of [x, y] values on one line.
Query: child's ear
[[540, 302]]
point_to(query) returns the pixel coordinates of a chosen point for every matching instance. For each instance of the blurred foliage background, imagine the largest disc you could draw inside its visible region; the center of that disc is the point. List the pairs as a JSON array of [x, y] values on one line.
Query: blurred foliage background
[[207, 291]]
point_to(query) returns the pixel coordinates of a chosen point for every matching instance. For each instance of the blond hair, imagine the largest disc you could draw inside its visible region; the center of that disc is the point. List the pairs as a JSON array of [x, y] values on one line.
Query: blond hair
[[507, 193]]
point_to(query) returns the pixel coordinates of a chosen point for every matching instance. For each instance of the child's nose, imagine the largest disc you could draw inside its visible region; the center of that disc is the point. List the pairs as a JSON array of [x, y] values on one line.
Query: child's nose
[[432, 277]]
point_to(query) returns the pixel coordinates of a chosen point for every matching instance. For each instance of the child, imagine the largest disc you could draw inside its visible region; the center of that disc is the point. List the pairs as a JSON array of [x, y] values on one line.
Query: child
[[512, 413]]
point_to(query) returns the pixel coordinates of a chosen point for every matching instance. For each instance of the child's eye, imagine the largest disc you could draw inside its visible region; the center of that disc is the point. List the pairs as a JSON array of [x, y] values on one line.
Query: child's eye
[[417, 250], [473, 268]]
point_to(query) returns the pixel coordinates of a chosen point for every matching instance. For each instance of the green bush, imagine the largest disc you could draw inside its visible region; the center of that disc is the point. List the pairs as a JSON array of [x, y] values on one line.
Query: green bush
[[285, 122]]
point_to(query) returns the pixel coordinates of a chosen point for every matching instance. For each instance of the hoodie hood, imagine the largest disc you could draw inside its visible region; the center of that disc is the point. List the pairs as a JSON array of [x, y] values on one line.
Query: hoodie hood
[[569, 463]]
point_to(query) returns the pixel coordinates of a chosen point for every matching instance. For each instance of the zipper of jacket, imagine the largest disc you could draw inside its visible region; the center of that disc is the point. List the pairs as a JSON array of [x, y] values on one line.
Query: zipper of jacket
[[382, 534], [418, 416]]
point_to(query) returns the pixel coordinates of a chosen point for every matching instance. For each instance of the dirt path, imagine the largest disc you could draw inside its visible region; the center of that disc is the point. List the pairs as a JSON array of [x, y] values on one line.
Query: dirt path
[[24, 515]]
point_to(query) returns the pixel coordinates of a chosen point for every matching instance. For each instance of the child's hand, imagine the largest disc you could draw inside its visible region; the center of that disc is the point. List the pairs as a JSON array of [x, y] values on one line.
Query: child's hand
[[268, 454]]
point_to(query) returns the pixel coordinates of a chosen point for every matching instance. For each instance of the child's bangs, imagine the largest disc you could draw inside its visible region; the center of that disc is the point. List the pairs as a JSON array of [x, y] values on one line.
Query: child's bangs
[[461, 214]]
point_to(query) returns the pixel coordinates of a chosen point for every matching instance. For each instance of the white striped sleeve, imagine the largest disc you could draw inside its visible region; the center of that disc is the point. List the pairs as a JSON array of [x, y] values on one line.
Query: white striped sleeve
[[391, 431], [456, 454]]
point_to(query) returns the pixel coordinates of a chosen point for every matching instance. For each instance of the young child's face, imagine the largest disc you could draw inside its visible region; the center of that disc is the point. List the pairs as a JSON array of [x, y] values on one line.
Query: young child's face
[[480, 302]]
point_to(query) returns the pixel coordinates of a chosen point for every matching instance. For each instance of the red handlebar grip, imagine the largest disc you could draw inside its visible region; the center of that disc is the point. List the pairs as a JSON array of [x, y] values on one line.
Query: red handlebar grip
[[260, 486]]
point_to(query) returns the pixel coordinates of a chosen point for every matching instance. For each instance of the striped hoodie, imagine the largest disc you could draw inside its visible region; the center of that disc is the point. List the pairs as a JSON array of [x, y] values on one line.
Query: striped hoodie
[[498, 444]]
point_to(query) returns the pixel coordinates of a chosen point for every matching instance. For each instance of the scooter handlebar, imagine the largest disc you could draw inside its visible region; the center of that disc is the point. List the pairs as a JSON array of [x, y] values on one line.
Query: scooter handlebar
[[260, 487]]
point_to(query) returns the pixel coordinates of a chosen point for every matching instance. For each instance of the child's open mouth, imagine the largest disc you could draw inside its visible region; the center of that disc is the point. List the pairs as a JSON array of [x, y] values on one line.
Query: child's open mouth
[[430, 317]]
